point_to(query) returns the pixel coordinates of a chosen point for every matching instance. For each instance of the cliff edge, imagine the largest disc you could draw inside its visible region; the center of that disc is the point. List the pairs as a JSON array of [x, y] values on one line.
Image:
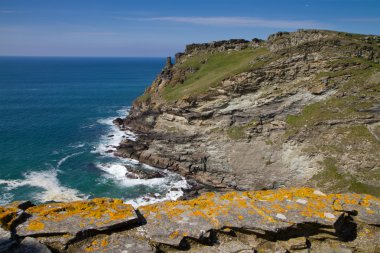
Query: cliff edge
[[292, 220], [299, 109]]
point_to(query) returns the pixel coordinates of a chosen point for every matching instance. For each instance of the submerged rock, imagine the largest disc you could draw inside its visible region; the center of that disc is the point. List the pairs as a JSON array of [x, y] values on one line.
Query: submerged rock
[[139, 173]]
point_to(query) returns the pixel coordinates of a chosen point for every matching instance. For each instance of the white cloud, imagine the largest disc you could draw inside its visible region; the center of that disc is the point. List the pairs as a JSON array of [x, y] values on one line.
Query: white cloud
[[362, 20], [10, 11], [236, 21]]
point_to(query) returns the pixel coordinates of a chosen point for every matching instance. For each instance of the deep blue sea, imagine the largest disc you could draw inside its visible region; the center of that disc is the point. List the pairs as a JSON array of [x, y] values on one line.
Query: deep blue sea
[[56, 126]]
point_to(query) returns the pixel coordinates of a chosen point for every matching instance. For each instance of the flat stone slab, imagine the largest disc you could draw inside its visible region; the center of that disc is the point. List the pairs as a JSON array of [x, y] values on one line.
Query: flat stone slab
[[272, 210], [115, 243], [79, 216]]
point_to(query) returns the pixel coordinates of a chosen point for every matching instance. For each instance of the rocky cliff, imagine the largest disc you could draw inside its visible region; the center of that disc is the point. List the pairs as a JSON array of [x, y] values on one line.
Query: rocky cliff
[[299, 109], [293, 220]]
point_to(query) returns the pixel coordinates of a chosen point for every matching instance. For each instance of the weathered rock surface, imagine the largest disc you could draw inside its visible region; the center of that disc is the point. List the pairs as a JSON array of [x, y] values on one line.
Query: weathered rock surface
[[283, 220], [6, 242], [31, 245], [300, 109], [77, 217]]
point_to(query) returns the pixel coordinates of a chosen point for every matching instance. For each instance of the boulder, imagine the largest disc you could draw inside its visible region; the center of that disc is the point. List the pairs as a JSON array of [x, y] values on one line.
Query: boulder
[[118, 121]]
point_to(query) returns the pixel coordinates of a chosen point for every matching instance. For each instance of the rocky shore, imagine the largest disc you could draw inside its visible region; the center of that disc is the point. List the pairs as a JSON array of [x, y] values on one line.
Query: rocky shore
[[283, 220], [299, 109]]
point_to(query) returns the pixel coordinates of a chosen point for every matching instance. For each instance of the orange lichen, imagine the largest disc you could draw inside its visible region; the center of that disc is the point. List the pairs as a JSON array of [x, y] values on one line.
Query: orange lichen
[[211, 207], [104, 243], [101, 211], [97, 245], [36, 226], [8, 214], [174, 235]]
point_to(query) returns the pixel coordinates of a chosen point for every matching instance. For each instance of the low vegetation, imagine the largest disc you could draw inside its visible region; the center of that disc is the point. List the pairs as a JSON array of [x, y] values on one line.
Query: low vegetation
[[211, 69]]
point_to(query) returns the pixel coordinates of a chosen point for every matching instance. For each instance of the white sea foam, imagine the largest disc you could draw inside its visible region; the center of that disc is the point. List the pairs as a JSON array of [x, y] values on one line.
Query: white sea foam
[[48, 181], [174, 191], [6, 198], [172, 184], [77, 145], [60, 162], [109, 142], [117, 171]]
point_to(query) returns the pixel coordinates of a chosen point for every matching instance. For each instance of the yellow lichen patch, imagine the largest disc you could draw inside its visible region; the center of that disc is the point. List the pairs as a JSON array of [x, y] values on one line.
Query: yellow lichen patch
[[104, 243], [213, 208], [36, 226], [101, 211], [174, 235], [97, 245], [9, 213]]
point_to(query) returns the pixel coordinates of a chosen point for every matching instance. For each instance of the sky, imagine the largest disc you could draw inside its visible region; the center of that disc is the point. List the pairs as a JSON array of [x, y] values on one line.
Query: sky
[[157, 28]]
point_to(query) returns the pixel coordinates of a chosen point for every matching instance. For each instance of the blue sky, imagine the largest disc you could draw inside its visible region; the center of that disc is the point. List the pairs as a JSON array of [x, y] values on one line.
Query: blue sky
[[161, 28]]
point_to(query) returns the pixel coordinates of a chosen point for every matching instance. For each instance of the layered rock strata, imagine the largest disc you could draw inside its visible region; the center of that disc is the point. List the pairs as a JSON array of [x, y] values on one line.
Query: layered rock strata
[[297, 109]]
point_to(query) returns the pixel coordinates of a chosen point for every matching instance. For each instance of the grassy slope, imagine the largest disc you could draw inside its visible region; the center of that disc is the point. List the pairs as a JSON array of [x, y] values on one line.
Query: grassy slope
[[215, 68]]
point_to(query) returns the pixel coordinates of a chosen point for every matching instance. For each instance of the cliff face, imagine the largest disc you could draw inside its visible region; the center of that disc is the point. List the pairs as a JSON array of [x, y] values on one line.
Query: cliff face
[[298, 109], [293, 220]]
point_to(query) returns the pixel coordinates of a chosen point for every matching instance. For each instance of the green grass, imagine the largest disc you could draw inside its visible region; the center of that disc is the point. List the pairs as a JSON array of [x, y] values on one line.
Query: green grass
[[212, 68], [145, 97], [333, 108], [239, 132], [347, 107], [331, 178], [236, 132]]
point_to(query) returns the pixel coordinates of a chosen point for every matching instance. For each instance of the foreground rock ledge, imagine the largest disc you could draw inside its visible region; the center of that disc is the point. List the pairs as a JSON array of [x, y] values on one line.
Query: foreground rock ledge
[[283, 220]]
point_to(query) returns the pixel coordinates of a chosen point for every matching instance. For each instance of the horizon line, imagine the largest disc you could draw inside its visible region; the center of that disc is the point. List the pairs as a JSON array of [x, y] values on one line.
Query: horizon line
[[78, 56]]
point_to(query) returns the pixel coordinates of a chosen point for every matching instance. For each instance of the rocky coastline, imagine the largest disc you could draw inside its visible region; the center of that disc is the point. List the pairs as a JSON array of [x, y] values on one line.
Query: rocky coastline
[[278, 139], [283, 220], [295, 110]]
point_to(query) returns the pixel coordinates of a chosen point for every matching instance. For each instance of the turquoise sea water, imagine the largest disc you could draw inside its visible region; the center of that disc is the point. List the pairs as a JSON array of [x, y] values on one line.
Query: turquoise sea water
[[56, 124]]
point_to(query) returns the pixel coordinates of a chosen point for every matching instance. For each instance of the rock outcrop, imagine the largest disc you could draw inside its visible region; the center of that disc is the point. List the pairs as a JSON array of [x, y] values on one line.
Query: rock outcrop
[[300, 109], [283, 220]]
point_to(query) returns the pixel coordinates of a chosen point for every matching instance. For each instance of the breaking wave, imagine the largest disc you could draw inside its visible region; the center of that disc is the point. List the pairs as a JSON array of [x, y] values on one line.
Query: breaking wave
[[48, 181]]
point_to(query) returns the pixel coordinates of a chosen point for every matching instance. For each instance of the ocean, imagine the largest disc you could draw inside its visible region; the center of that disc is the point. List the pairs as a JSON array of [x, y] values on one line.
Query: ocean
[[56, 126]]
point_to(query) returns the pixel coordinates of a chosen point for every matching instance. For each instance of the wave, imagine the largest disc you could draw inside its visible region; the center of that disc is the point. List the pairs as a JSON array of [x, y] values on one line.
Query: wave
[[172, 184], [109, 141], [174, 192], [116, 172], [6, 198], [60, 162], [48, 181], [77, 145]]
